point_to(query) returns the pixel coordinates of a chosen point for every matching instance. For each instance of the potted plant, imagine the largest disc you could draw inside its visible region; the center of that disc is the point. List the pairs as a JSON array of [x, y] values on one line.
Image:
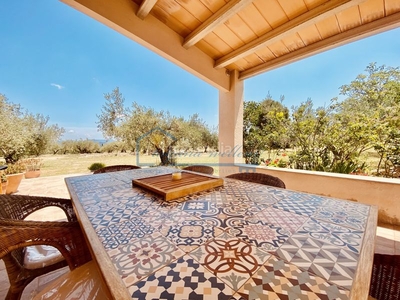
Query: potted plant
[[4, 183], [33, 166], [15, 173]]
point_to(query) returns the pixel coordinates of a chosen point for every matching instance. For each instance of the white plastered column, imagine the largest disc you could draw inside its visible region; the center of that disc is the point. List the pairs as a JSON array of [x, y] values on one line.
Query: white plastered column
[[231, 126]]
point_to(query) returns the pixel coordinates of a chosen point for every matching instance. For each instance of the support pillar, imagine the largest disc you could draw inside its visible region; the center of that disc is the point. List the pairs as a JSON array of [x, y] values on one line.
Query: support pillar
[[231, 126]]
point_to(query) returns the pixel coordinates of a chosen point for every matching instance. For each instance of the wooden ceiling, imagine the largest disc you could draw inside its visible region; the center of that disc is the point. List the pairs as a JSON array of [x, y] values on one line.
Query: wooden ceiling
[[211, 38]]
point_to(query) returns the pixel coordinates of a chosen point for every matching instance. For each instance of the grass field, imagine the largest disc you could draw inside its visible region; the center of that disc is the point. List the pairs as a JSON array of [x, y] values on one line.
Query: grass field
[[79, 163]]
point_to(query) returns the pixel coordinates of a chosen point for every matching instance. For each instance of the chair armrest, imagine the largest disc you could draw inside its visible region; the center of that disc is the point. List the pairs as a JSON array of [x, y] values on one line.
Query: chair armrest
[[18, 207], [67, 237]]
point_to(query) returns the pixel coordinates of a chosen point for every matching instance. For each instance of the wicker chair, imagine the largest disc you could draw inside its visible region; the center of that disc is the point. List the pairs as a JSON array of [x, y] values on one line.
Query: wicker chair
[[200, 169], [259, 178], [16, 234], [116, 168], [385, 279]]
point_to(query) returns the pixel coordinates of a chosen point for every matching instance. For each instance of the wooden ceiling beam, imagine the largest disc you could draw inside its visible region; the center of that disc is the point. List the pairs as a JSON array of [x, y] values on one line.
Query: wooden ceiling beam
[[363, 31], [151, 33], [145, 8], [289, 28], [223, 14]]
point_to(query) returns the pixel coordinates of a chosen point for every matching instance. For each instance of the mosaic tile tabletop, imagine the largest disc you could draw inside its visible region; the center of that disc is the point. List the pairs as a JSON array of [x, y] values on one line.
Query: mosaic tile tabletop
[[239, 241]]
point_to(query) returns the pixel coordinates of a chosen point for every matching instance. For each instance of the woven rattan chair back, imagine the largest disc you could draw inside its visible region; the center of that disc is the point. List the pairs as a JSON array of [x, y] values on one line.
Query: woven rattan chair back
[[200, 169], [385, 278], [16, 234], [259, 178], [116, 168]]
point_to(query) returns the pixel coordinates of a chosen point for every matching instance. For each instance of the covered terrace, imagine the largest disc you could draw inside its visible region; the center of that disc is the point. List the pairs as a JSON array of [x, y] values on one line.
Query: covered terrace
[[225, 42]]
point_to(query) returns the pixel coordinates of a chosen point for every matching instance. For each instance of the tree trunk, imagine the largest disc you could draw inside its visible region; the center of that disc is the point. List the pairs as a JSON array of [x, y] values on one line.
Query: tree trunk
[[164, 157]]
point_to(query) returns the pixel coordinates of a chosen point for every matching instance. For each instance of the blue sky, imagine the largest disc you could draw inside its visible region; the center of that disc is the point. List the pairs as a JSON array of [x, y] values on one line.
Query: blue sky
[[58, 62]]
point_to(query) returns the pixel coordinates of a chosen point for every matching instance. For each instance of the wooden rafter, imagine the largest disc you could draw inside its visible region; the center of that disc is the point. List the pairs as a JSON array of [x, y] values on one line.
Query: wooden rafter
[[369, 29], [322, 11], [223, 14], [145, 8], [154, 35]]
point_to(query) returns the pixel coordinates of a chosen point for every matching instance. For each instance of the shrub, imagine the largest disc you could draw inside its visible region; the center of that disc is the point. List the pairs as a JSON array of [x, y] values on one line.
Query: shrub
[[96, 166], [3, 177], [32, 164], [18, 167]]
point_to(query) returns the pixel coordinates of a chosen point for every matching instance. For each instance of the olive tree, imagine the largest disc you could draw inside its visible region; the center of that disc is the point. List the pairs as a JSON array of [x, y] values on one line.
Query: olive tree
[[14, 131], [143, 128], [42, 135], [23, 133]]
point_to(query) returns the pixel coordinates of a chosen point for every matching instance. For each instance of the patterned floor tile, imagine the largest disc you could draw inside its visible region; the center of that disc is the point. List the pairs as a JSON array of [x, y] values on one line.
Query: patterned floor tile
[[113, 215], [244, 207], [300, 203], [263, 193], [158, 218], [330, 233], [131, 197], [92, 209], [284, 219], [337, 265], [215, 196], [190, 234], [344, 213], [277, 279], [210, 212], [146, 172], [122, 233], [268, 229], [101, 194], [260, 233], [230, 259], [89, 182], [197, 208], [143, 257], [183, 279]]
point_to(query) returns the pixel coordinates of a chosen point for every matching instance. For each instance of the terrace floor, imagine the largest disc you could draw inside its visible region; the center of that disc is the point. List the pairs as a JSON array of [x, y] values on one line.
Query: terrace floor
[[387, 241]]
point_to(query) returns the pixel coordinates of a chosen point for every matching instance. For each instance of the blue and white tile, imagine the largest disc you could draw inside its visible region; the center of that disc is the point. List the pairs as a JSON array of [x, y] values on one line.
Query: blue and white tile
[[190, 234], [333, 234], [300, 203], [335, 264], [123, 233], [345, 213]]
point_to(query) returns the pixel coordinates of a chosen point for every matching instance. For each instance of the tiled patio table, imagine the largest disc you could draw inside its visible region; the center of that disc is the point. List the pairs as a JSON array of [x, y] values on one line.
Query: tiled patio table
[[239, 241]]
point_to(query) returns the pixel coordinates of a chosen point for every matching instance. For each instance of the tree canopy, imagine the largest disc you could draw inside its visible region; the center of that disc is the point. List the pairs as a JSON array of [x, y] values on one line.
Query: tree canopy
[[264, 128], [23, 133], [145, 129], [333, 138]]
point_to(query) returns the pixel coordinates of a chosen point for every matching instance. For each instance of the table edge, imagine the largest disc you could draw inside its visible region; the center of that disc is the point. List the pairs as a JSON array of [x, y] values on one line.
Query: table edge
[[362, 278], [110, 276]]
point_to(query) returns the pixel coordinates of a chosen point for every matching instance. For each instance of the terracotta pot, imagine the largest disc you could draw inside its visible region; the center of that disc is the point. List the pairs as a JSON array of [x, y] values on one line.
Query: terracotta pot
[[32, 174], [13, 182], [4, 187]]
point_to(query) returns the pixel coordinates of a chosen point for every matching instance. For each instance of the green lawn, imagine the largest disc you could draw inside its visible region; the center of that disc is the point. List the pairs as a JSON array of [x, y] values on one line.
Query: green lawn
[[79, 163]]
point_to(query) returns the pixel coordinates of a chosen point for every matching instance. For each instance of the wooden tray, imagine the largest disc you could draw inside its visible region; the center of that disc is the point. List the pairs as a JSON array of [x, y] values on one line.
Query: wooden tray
[[190, 183]]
